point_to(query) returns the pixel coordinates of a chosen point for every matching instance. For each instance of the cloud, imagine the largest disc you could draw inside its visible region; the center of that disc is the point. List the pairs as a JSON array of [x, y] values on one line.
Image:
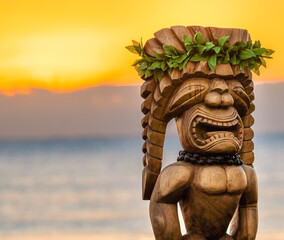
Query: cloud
[[107, 111]]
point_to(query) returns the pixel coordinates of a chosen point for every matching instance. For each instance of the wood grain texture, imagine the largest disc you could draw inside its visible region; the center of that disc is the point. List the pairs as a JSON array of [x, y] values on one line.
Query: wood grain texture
[[154, 164], [180, 31], [248, 158], [154, 150], [248, 134], [248, 146], [147, 88], [248, 120], [167, 37], [146, 105], [155, 137], [145, 120], [153, 45], [149, 179], [159, 98], [166, 86]]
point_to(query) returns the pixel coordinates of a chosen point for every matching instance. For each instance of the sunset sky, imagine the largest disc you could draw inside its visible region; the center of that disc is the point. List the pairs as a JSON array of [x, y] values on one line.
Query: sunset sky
[[69, 45]]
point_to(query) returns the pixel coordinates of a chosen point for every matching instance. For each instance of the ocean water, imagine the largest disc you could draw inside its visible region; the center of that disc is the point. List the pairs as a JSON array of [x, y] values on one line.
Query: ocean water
[[93, 186]]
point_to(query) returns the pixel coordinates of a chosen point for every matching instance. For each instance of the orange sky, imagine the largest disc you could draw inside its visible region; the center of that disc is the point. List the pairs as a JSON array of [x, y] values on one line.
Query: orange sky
[[67, 45]]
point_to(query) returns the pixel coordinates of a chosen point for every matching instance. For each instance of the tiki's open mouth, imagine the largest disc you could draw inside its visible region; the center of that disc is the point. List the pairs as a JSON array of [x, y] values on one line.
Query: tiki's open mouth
[[206, 131]]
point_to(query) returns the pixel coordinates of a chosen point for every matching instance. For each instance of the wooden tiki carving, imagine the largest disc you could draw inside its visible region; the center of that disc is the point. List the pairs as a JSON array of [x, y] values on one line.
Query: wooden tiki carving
[[213, 117]]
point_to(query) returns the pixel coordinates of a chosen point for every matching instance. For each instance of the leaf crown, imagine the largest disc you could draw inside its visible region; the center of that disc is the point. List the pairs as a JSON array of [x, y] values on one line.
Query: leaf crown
[[198, 49]]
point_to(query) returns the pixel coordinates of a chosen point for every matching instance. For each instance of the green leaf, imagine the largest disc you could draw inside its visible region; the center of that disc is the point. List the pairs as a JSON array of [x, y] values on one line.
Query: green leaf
[[135, 43], [259, 51], [131, 49], [198, 37], [233, 60], [195, 58], [266, 57], [138, 62], [170, 64], [200, 49], [155, 65], [141, 73], [185, 62], [159, 56], [263, 62], [256, 44], [164, 66], [256, 71], [149, 59], [222, 41], [212, 61], [246, 54], [148, 73], [209, 45], [244, 64], [217, 49], [138, 49], [205, 58], [249, 44], [187, 40], [227, 58], [158, 74], [170, 50], [268, 52], [181, 58], [142, 66]]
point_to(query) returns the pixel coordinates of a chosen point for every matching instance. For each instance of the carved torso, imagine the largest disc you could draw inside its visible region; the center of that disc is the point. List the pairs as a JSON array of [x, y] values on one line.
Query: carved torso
[[209, 195], [220, 179]]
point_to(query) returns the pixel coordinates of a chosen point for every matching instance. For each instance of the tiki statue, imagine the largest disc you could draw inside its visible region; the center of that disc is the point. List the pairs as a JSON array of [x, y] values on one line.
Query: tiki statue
[[201, 77]]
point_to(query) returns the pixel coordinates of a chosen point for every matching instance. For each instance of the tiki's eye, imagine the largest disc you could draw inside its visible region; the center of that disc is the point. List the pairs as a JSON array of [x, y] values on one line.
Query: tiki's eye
[[187, 94], [240, 91]]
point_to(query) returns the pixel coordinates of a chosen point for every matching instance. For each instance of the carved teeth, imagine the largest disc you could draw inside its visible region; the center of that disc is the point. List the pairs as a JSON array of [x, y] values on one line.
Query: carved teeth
[[223, 130], [207, 140], [200, 142], [198, 119]]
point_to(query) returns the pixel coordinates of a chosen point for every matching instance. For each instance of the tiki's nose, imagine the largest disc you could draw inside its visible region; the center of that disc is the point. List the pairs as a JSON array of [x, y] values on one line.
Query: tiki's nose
[[218, 95]]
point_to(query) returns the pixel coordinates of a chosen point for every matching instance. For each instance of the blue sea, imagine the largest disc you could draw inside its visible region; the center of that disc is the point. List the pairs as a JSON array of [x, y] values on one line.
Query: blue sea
[[93, 186]]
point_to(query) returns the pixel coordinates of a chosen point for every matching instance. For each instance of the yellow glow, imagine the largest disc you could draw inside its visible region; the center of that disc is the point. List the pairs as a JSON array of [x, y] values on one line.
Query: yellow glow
[[66, 45]]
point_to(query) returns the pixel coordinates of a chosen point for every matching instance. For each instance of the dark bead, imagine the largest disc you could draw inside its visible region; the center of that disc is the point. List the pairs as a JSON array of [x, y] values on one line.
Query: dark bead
[[233, 157], [196, 155], [230, 162], [219, 158], [186, 157], [204, 158], [193, 159], [202, 162], [227, 157], [181, 152], [179, 158], [211, 162], [242, 162]]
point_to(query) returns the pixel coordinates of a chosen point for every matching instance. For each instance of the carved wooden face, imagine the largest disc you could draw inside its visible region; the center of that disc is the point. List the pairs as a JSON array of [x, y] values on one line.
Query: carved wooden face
[[211, 120]]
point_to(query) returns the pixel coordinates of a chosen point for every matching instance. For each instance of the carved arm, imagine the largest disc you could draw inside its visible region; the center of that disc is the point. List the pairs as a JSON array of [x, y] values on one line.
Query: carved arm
[[248, 212], [168, 190]]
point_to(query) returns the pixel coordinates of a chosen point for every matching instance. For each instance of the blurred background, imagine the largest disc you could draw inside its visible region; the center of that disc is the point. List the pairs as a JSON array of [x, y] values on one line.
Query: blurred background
[[70, 145]]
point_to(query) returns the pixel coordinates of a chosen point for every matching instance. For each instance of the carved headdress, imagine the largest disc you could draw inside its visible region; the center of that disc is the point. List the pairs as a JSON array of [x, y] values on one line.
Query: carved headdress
[[161, 103]]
